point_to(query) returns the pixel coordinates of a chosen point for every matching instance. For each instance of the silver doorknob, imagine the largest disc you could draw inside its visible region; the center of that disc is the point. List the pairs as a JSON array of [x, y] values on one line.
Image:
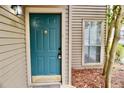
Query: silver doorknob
[[59, 57]]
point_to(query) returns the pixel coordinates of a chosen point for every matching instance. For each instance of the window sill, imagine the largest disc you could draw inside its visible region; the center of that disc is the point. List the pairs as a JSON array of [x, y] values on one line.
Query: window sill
[[92, 65]]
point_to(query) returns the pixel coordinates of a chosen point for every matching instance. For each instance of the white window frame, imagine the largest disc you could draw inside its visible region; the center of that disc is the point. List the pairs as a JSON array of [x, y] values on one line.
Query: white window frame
[[102, 44]]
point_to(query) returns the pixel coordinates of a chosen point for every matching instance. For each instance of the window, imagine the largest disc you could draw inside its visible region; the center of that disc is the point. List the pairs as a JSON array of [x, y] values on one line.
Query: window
[[92, 41]]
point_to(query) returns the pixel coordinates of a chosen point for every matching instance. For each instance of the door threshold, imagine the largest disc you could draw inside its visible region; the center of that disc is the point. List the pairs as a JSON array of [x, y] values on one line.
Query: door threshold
[[42, 84], [46, 79]]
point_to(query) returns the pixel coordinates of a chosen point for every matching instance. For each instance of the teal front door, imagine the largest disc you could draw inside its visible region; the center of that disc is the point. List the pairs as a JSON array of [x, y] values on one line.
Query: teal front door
[[45, 45]]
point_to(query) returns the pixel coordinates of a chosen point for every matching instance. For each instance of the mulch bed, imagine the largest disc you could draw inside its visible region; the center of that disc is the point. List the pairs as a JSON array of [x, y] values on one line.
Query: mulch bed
[[92, 78], [118, 76], [87, 78]]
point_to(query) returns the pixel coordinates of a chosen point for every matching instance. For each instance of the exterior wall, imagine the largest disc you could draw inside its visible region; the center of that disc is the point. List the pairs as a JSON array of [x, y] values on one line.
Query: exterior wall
[[12, 42], [12, 49], [77, 14]]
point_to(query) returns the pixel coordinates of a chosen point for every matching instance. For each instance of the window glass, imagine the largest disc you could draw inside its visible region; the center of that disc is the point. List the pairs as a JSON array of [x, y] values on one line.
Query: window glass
[[92, 41]]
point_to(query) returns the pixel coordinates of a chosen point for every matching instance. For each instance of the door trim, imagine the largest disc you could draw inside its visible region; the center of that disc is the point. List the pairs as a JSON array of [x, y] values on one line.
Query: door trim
[[29, 10]]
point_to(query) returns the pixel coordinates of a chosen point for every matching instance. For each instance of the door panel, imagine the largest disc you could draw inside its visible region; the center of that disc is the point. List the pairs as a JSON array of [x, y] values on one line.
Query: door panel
[[45, 43]]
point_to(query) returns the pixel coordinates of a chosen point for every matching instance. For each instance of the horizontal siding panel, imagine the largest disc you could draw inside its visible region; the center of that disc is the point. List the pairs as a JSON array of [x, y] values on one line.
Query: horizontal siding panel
[[76, 42], [10, 28], [9, 58], [88, 10], [76, 29], [3, 19], [6, 78], [16, 74], [77, 26], [10, 41], [3, 56], [18, 79], [6, 63], [10, 34], [77, 60], [76, 34], [78, 22], [10, 67], [77, 57], [78, 39], [12, 25], [7, 48], [100, 7], [76, 53], [80, 17], [88, 13], [77, 48], [73, 54]]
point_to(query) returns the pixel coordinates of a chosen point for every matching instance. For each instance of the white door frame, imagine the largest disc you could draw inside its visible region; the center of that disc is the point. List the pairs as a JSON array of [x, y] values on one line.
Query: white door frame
[[44, 10]]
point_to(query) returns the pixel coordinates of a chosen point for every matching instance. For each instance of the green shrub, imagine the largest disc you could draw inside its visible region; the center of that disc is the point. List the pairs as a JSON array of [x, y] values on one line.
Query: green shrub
[[119, 53]]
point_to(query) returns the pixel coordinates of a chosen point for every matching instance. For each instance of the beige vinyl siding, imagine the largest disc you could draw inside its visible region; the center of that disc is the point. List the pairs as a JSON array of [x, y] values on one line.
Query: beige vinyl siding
[[78, 13], [12, 49]]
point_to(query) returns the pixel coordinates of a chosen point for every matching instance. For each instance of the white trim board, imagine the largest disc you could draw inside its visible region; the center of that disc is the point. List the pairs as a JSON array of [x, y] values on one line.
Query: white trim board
[[44, 10], [70, 42]]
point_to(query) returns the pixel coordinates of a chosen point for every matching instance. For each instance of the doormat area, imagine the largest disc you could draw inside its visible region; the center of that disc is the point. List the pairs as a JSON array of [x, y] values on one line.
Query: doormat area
[[87, 78], [47, 86]]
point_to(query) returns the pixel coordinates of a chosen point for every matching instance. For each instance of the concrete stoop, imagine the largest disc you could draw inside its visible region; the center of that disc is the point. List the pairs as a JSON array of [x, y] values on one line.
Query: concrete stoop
[[67, 86], [53, 86]]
